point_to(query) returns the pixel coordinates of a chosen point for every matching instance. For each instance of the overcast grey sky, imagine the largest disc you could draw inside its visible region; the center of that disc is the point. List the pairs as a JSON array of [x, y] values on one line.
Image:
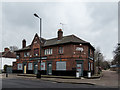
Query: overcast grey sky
[[95, 22]]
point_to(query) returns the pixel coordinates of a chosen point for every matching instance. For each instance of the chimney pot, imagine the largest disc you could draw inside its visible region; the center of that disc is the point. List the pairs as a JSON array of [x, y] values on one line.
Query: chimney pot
[[60, 34], [23, 43], [6, 49]]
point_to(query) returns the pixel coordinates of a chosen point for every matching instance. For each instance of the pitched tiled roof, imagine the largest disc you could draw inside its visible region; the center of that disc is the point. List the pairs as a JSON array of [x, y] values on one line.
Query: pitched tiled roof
[[65, 39], [29, 46], [8, 54], [25, 48], [55, 41]]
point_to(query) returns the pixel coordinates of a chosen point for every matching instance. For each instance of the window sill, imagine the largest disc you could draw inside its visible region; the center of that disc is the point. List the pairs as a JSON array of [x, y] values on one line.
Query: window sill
[[48, 55], [37, 56], [26, 57], [60, 53]]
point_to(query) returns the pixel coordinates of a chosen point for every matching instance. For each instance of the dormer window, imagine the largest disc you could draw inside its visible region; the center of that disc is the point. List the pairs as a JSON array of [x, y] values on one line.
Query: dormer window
[[36, 51]]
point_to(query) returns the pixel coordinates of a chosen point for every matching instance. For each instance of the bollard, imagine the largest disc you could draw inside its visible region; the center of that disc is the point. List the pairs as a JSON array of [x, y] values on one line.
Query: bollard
[[77, 74], [38, 75], [89, 74], [6, 74]]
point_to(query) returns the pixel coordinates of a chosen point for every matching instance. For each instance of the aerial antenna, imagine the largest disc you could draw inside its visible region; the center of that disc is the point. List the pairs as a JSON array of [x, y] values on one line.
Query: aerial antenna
[[62, 25]]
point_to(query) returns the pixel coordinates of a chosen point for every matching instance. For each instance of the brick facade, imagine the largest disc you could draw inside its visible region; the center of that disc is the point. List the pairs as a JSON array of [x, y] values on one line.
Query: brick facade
[[70, 56]]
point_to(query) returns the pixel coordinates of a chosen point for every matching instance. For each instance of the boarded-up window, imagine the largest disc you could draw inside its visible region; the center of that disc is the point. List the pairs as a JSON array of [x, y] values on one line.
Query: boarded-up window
[[30, 66], [43, 66], [19, 66], [61, 65]]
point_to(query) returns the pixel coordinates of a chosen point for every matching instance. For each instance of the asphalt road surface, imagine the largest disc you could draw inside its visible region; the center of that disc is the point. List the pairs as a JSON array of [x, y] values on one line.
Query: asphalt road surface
[[27, 83]]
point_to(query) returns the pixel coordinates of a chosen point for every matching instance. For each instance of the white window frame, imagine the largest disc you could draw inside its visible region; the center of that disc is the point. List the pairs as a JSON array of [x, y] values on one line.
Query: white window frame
[[17, 56], [48, 51], [26, 54], [60, 50], [51, 51], [89, 66], [45, 51]]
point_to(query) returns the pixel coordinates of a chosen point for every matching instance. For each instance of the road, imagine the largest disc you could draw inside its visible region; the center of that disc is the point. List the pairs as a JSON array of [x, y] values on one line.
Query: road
[[28, 83], [109, 79]]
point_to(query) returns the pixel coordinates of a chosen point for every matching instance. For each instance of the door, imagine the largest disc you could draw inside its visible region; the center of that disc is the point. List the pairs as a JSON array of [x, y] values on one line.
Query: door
[[79, 69], [24, 69], [49, 68], [35, 68]]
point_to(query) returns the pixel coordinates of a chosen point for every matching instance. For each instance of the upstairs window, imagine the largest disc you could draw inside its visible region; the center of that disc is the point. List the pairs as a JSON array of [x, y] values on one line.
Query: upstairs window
[[48, 51], [60, 50], [36, 51], [17, 56], [26, 54], [89, 66]]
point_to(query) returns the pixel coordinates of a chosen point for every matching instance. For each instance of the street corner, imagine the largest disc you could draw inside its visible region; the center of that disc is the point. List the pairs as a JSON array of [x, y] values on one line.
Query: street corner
[[70, 81]]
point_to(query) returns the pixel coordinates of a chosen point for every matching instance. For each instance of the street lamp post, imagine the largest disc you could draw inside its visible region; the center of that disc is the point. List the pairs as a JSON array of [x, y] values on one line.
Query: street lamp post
[[99, 63], [39, 74]]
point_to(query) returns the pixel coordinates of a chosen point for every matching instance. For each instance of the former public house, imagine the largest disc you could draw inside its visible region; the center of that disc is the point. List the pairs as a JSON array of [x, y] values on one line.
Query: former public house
[[63, 55]]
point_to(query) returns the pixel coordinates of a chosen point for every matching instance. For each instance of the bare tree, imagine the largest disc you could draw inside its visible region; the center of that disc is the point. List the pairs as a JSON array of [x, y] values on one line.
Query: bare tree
[[105, 65], [100, 60], [116, 55], [98, 56], [13, 48]]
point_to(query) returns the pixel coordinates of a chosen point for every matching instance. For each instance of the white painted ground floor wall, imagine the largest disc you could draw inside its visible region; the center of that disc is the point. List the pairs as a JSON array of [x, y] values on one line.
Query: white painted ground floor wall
[[6, 61]]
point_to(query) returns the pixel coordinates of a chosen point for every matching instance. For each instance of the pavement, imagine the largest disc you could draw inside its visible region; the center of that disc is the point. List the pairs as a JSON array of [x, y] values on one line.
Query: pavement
[[109, 79]]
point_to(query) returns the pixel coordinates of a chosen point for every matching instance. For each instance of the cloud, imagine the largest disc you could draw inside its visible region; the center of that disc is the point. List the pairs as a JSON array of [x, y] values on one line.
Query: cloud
[[93, 22], [0, 26]]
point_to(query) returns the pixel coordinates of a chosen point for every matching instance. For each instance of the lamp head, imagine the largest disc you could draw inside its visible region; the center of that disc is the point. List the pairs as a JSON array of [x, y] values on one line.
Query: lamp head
[[36, 15]]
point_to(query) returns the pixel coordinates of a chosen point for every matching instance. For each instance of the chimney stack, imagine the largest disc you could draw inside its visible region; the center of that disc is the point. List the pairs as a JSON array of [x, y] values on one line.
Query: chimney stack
[[60, 34], [6, 49], [23, 43]]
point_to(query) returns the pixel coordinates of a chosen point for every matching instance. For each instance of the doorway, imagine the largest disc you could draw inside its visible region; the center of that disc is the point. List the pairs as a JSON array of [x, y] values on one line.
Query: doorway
[[35, 68], [49, 68], [80, 69], [25, 68]]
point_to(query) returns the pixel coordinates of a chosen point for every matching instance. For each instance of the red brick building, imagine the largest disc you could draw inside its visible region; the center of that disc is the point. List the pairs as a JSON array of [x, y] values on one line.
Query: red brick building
[[64, 55], [7, 53]]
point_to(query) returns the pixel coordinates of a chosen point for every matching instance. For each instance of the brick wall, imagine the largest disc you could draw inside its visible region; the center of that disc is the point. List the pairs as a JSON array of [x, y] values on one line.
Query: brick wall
[[69, 54]]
